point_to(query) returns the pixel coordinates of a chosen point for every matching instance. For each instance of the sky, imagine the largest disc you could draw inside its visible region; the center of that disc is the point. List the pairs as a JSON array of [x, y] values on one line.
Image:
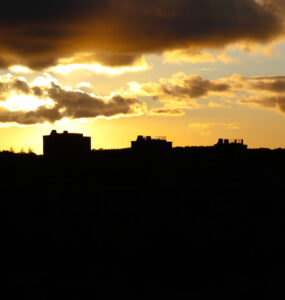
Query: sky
[[191, 70]]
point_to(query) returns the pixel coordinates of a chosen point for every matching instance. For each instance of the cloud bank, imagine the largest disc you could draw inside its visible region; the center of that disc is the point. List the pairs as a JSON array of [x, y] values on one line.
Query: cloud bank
[[45, 101], [56, 103], [181, 88], [39, 34], [262, 91]]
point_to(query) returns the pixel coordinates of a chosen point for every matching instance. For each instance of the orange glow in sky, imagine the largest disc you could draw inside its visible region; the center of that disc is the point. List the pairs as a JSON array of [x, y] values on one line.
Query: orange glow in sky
[[145, 69]]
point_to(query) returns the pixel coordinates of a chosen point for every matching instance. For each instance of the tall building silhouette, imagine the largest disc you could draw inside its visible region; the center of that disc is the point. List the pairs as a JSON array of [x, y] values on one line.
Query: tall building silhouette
[[66, 145]]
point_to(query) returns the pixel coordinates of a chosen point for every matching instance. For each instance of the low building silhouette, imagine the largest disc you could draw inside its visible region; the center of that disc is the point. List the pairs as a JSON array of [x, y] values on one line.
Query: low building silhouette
[[146, 143], [231, 144], [66, 145]]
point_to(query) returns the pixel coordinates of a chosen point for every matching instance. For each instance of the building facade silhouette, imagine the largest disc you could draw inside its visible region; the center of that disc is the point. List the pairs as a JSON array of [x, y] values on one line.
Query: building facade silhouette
[[66, 145], [234, 144], [146, 143]]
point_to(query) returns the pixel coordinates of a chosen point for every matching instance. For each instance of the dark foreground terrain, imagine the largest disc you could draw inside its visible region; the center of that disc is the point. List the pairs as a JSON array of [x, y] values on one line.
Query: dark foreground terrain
[[195, 223]]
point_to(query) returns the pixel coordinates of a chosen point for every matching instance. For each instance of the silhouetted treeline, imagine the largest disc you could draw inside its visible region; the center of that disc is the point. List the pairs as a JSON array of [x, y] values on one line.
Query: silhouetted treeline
[[192, 223]]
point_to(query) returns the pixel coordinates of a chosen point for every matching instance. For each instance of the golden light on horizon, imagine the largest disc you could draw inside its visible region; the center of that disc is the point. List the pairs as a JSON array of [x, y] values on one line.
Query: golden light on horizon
[[65, 66], [148, 74], [19, 69]]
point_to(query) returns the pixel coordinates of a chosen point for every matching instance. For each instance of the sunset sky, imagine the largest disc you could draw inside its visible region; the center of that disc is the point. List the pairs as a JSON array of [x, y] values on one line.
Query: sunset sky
[[191, 70]]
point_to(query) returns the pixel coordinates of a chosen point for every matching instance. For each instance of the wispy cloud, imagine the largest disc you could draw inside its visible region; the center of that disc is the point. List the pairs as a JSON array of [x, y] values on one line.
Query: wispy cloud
[[85, 63], [195, 56], [167, 112], [206, 128]]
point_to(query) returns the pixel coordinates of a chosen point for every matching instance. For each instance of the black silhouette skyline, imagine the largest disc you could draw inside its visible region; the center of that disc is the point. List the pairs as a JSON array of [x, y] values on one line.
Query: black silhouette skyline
[[76, 144], [190, 222], [139, 217]]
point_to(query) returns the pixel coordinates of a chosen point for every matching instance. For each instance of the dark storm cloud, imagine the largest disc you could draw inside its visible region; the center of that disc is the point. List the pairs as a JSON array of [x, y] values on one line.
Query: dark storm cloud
[[38, 33], [274, 5], [6, 61]]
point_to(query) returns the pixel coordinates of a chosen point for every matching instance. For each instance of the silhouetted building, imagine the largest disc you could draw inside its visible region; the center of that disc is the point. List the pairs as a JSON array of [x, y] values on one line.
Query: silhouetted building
[[235, 144], [151, 145], [66, 145]]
